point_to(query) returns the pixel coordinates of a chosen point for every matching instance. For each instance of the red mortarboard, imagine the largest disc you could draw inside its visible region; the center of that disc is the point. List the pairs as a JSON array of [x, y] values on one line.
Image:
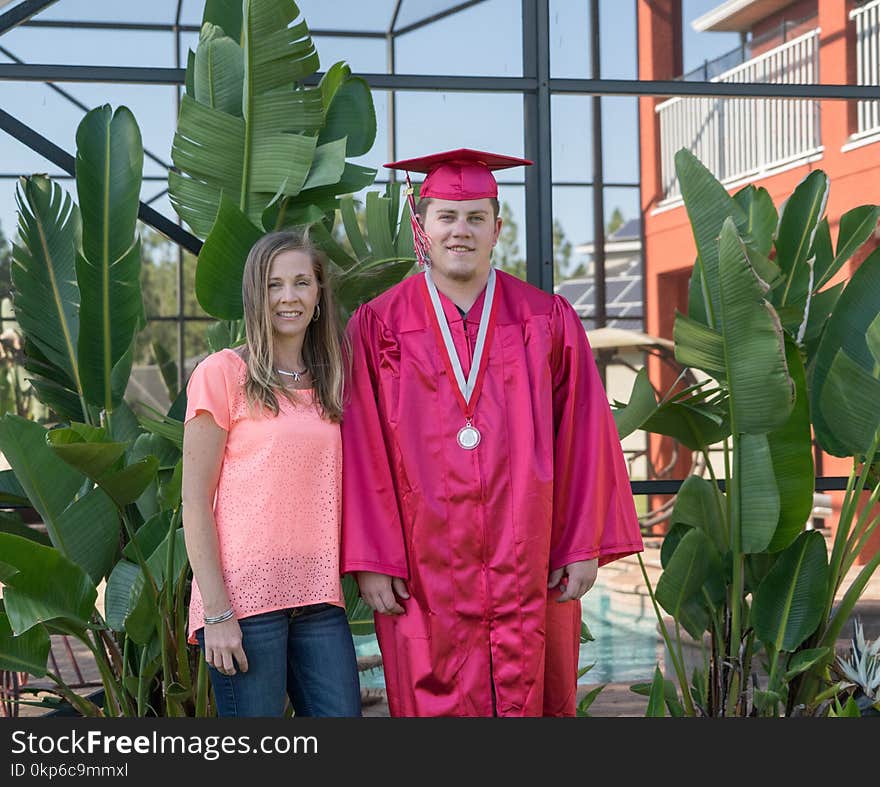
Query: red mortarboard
[[455, 175], [459, 174]]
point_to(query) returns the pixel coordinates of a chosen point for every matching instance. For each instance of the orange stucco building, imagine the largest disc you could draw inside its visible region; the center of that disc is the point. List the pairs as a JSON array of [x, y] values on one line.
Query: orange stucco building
[[773, 143]]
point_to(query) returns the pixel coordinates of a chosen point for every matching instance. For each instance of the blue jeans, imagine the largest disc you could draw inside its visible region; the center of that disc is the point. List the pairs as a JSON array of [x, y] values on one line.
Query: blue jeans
[[305, 653]]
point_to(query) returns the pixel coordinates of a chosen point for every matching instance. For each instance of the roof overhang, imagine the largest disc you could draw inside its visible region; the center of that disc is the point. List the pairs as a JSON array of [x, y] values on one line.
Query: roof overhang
[[737, 16], [622, 338]]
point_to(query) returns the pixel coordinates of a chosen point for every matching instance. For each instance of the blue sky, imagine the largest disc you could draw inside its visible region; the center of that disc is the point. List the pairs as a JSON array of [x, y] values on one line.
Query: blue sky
[[484, 40]]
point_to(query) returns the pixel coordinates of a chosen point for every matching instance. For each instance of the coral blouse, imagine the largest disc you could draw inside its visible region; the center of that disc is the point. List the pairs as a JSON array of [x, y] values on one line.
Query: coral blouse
[[278, 502]]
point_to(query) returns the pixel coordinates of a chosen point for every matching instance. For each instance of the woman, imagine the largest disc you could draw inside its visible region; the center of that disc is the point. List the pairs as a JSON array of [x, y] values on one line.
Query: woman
[[261, 492]]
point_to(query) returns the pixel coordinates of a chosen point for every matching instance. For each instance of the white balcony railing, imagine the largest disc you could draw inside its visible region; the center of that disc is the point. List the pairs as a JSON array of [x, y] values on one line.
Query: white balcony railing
[[738, 138], [867, 19]]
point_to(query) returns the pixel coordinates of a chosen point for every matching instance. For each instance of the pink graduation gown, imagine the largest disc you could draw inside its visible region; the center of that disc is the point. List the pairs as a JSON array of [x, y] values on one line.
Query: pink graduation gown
[[476, 533]]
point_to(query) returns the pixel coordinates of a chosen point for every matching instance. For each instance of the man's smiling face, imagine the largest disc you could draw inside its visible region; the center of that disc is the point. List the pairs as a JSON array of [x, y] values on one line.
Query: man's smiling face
[[462, 236]]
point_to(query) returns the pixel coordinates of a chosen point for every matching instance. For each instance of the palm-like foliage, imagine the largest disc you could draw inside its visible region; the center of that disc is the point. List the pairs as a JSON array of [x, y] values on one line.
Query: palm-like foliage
[[249, 130], [737, 564], [110, 163], [46, 293]]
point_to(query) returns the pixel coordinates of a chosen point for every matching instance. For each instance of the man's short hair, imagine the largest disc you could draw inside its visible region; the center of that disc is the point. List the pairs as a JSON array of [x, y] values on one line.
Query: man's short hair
[[422, 207]]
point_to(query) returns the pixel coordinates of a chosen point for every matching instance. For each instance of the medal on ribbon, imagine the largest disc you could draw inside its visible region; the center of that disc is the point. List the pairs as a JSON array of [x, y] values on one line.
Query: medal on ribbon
[[468, 390]]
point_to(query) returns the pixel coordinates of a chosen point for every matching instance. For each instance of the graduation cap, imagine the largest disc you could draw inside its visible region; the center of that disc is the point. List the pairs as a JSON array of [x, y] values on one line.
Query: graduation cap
[[462, 174]]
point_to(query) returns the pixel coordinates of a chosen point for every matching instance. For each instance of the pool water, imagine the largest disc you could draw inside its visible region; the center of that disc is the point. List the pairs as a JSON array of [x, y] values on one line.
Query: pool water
[[625, 646]]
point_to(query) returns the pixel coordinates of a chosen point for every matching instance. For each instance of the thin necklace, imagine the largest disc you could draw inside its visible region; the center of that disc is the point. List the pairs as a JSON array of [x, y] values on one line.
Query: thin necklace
[[295, 375]]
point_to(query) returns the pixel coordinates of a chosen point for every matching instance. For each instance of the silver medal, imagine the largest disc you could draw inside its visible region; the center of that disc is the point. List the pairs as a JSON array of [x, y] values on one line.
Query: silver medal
[[468, 437]]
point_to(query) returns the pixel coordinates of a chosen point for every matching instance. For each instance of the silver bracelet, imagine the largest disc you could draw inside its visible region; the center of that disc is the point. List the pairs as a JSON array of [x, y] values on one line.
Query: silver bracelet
[[223, 616]]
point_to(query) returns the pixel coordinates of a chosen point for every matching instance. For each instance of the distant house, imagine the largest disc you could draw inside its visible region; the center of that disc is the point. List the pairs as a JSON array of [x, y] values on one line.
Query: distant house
[[623, 281]]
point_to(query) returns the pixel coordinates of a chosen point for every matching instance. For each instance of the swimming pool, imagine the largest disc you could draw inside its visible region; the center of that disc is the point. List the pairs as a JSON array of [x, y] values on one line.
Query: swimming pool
[[625, 648]]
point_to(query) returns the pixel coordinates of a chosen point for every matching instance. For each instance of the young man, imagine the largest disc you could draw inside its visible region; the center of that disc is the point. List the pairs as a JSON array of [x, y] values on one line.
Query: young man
[[484, 481]]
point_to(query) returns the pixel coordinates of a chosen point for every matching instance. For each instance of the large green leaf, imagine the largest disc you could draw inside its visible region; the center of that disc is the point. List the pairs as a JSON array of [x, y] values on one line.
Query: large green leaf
[[218, 70], [699, 503], [789, 602], [849, 404], [46, 586], [642, 403], [86, 448], [699, 347], [158, 560], [226, 15], [872, 337], [91, 525], [758, 493], [708, 206], [671, 540], [54, 388], [761, 390], [46, 296], [124, 426], [761, 218], [122, 587], [856, 226], [26, 653], [268, 148], [221, 261], [791, 449], [681, 584], [695, 425], [846, 330], [109, 167], [49, 482], [126, 485], [83, 528], [148, 536], [326, 199], [91, 452], [797, 226], [697, 296], [351, 116]]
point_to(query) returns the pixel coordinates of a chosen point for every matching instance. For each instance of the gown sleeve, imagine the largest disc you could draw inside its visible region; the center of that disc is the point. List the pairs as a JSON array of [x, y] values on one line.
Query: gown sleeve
[[593, 510], [372, 534]]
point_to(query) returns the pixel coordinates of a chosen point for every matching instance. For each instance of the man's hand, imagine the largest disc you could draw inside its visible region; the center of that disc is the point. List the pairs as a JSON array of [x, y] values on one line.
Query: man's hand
[[380, 592], [579, 578]]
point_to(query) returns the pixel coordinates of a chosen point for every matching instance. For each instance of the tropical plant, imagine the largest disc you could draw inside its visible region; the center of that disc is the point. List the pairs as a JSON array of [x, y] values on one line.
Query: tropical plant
[[778, 352], [106, 489]]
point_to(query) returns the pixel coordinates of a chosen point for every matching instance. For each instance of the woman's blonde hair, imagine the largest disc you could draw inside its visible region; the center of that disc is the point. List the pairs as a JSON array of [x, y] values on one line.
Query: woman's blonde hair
[[324, 344]]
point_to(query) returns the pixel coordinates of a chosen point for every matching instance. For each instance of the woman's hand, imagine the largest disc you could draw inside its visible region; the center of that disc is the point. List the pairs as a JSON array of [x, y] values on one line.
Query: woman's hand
[[223, 648]]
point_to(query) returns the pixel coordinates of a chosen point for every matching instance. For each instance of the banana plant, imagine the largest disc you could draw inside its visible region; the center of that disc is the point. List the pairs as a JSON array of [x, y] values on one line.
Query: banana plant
[[106, 487], [766, 339], [256, 150]]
